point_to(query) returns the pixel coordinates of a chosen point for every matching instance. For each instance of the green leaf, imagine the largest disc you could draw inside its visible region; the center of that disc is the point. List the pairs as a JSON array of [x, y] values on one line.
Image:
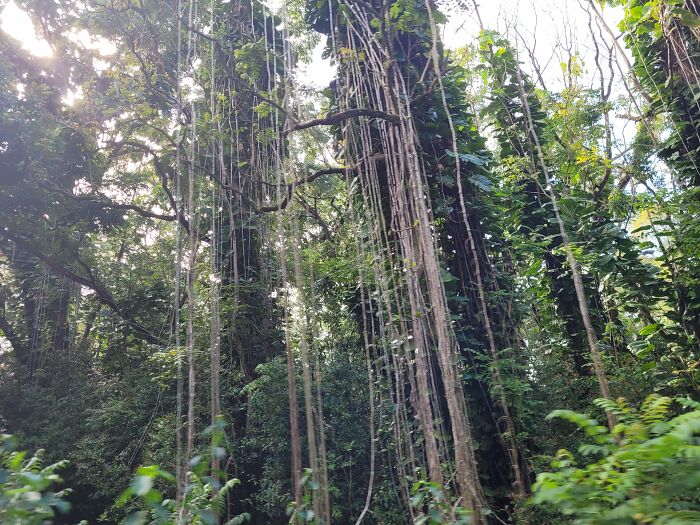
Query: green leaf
[[473, 159], [417, 499], [142, 484], [136, 518], [208, 517], [649, 329], [446, 276], [482, 182], [687, 18]]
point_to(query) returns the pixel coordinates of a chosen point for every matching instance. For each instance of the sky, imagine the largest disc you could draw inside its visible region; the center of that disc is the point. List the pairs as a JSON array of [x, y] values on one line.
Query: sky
[[17, 24], [544, 24]]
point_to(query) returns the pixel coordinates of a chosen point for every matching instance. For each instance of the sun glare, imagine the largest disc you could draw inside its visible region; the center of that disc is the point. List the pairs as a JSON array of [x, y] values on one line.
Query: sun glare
[[17, 24]]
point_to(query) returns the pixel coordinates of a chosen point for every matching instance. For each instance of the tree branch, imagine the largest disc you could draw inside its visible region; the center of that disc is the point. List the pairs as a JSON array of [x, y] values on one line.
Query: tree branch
[[293, 185], [337, 118], [288, 190], [104, 202], [103, 294], [161, 171], [313, 212]]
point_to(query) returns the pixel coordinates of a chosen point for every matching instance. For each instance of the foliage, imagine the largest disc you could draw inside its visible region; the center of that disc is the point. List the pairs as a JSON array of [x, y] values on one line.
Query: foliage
[[26, 497], [433, 507], [202, 503], [205, 494], [301, 512], [646, 470]]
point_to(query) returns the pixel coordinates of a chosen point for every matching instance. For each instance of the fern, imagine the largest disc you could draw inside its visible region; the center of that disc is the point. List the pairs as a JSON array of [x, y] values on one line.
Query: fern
[[655, 409], [647, 470]]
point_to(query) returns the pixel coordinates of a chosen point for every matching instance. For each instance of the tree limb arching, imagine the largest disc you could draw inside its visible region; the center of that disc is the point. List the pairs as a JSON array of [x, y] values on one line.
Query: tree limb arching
[[104, 202], [293, 185], [103, 295], [337, 118], [161, 171], [377, 157], [288, 190], [133, 207]]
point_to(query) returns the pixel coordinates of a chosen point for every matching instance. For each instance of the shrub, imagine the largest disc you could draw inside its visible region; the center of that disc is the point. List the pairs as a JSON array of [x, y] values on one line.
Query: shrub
[[646, 471], [25, 486]]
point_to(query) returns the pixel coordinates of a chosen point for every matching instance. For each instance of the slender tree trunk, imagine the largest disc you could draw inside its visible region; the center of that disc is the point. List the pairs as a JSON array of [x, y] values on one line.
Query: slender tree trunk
[[215, 333], [179, 474], [598, 365], [370, 382], [306, 373], [191, 375]]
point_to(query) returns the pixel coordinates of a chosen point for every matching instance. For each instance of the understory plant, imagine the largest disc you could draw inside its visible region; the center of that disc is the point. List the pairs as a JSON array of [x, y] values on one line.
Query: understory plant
[[26, 495], [205, 493], [645, 471], [433, 507]]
